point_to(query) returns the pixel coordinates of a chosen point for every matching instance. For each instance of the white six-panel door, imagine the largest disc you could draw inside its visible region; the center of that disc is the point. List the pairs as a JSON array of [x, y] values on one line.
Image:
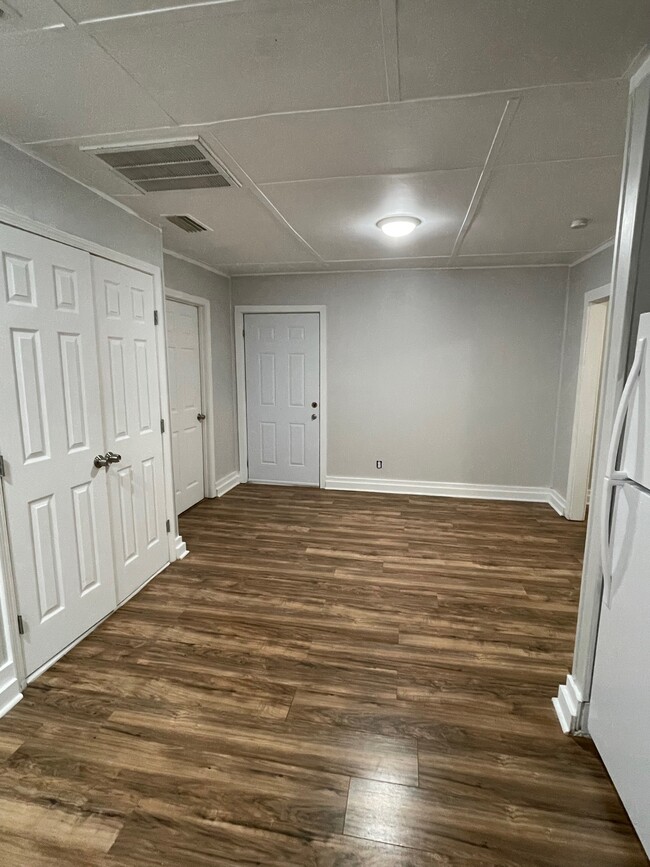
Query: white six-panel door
[[50, 431], [183, 355], [124, 301], [282, 352]]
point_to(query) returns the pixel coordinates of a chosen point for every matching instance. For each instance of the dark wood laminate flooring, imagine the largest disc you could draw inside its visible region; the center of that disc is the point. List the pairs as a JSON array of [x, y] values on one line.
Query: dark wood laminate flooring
[[332, 679]]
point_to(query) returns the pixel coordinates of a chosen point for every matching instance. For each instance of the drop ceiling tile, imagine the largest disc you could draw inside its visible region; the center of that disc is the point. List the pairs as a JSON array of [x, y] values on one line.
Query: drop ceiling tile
[[528, 208], [338, 216], [253, 56], [243, 230], [567, 122], [57, 84], [473, 46], [411, 137]]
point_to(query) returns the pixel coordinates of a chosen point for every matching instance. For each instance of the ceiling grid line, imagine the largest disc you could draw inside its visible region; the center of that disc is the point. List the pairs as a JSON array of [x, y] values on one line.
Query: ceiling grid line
[[238, 171], [142, 13], [480, 191], [390, 40], [507, 92]]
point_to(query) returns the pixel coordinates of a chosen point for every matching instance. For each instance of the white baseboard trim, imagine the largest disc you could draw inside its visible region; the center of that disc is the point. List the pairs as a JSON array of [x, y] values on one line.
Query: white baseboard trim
[[557, 501], [440, 489], [567, 705], [227, 483], [9, 697], [180, 547]]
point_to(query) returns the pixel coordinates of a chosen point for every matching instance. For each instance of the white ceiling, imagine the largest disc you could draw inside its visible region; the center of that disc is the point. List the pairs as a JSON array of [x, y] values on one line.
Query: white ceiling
[[335, 113]]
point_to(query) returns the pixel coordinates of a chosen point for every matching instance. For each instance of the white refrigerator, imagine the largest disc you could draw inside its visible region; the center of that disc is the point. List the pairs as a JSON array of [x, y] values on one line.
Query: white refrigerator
[[619, 709]]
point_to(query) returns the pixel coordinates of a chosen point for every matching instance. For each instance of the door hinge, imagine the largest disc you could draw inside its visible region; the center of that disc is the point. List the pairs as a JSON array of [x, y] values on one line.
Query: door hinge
[[21, 625], [162, 425], [168, 525], [155, 317], [2, 467]]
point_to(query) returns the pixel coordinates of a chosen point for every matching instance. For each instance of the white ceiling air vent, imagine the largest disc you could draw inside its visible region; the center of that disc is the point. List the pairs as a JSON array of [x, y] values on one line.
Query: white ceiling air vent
[[161, 166], [186, 223]]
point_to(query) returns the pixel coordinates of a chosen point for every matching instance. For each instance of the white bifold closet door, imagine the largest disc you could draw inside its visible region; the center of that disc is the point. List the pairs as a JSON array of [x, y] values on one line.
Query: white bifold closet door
[[184, 356], [283, 397], [124, 300], [50, 431]]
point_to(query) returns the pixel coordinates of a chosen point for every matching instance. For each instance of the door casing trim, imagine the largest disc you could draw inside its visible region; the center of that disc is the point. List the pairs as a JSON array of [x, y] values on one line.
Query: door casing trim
[[574, 501], [240, 312], [207, 385]]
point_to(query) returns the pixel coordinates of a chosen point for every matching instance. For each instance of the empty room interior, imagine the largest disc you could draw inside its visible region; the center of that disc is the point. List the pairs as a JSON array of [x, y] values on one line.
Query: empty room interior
[[324, 433]]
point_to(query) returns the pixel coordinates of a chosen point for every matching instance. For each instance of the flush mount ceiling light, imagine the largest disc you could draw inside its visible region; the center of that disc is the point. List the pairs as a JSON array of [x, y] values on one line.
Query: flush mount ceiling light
[[397, 227], [579, 222]]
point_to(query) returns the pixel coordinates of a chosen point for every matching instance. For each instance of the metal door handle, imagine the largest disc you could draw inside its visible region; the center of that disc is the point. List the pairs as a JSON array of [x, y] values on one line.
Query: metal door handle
[[314, 416], [112, 458], [100, 461], [200, 416]]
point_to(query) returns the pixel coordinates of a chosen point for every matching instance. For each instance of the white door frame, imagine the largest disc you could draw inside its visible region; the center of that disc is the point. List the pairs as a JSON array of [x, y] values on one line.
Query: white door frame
[[576, 498], [240, 312], [176, 545], [207, 389]]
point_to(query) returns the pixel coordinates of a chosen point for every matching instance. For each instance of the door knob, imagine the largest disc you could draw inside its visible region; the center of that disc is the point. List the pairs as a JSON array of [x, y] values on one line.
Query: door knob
[[200, 416], [112, 458], [100, 461], [313, 416]]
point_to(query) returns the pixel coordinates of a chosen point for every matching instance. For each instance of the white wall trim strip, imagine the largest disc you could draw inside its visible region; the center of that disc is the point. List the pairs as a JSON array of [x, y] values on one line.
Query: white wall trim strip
[[196, 262], [568, 705], [181, 548], [441, 489], [557, 501], [593, 252], [227, 483], [9, 697]]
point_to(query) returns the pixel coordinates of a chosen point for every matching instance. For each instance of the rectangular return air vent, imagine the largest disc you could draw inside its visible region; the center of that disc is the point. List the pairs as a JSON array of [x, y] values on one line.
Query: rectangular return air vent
[[163, 166], [185, 222]]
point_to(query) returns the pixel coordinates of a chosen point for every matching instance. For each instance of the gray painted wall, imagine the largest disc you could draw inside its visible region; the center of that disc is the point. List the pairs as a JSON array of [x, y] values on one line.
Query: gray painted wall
[[446, 376], [590, 274], [185, 277], [32, 189]]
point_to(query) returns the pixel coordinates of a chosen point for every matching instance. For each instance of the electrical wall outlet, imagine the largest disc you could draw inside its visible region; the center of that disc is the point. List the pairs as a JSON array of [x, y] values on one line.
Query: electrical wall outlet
[[380, 464]]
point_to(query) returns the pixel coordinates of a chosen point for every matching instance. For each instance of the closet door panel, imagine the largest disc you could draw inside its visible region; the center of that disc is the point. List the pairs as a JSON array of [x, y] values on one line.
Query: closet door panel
[[131, 400], [50, 431]]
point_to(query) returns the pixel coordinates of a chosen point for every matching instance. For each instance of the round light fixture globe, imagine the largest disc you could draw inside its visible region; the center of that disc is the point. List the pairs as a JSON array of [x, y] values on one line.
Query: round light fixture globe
[[397, 227]]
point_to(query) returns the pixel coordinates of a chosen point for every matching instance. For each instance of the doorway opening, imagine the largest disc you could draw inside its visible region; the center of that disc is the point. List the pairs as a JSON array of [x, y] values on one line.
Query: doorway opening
[[592, 350], [281, 394], [189, 357]]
